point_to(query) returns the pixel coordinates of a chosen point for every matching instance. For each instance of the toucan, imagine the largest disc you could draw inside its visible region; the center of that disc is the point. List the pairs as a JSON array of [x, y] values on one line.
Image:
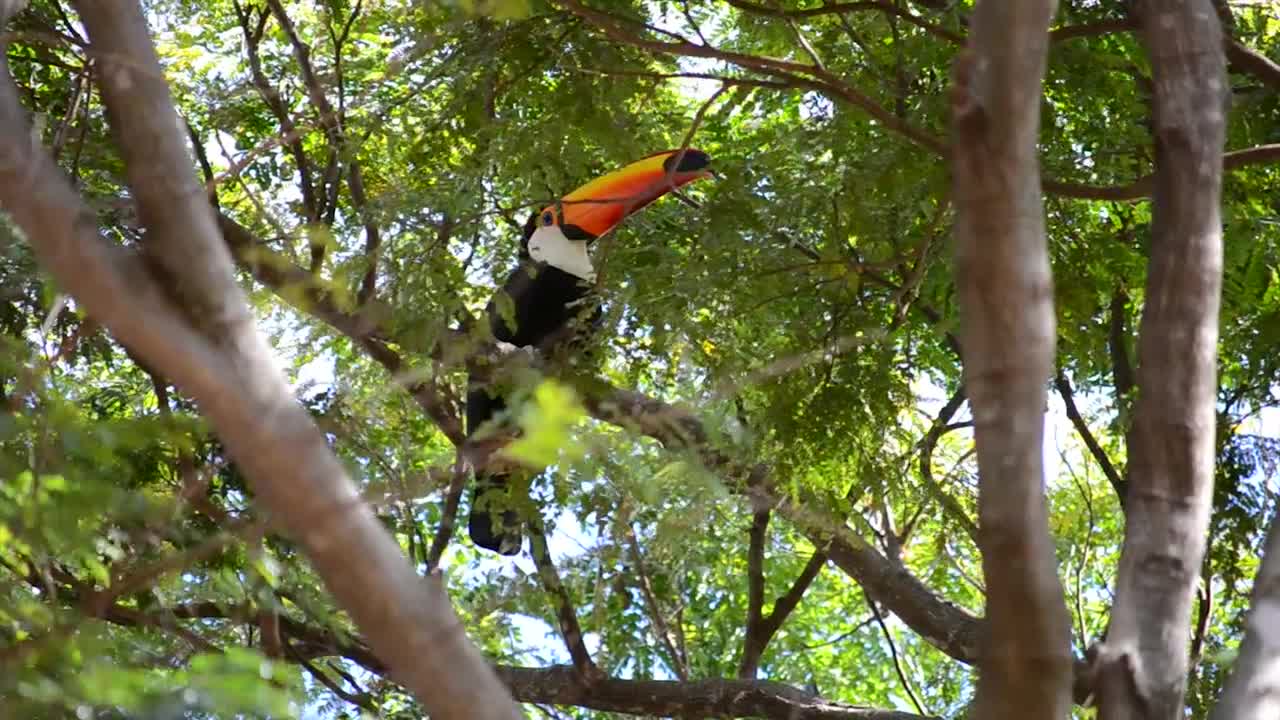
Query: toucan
[[551, 292]]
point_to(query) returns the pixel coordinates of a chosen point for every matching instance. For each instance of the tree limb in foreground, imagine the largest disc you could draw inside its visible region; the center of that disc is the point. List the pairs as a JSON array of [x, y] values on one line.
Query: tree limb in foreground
[[195, 327]]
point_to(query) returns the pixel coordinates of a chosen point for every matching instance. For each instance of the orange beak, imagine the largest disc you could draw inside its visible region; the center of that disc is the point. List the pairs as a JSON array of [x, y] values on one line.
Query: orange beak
[[597, 207]]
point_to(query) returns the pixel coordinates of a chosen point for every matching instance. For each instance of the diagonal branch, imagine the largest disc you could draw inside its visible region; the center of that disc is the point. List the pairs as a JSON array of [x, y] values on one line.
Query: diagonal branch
[[1261, 67], [448, 515], [566, 615], [195, 327], [759, 634], [927, 444], [897, 662], [783, 606], [300, 289], [1082, 427]]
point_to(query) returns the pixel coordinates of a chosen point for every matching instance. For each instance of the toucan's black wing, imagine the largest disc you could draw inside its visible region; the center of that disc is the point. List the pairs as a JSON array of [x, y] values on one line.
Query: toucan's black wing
[[543, 300]]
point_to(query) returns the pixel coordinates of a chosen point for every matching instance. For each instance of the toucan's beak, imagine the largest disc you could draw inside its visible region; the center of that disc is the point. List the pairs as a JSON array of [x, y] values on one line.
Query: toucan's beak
[[597, 207]]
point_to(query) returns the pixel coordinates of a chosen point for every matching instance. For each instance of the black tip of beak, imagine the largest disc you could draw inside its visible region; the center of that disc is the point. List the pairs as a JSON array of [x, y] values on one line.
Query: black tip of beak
[[692, 161]]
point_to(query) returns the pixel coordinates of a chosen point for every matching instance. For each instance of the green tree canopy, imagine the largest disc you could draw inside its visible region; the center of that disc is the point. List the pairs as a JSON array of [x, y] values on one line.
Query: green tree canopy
[[762, 492]]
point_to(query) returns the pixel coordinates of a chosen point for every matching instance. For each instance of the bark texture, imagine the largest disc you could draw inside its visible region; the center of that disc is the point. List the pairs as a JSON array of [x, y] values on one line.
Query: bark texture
[[1253, 690], [177, 306], [1142, 664], [1007, 337]]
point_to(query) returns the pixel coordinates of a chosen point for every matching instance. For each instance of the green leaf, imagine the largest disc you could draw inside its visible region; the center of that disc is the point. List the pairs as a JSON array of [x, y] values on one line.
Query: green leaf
[[546, 420]]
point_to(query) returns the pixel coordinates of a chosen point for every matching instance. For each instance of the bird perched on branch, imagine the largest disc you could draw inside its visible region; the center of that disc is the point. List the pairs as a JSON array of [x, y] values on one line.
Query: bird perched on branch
[[550, 290]]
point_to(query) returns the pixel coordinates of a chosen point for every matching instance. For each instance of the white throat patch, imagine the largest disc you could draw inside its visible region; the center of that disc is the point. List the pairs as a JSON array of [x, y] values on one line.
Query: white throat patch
[[549, 245]]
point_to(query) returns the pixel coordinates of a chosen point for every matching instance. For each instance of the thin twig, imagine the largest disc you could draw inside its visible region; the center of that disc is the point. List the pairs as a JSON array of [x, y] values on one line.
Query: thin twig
[[897, 662]]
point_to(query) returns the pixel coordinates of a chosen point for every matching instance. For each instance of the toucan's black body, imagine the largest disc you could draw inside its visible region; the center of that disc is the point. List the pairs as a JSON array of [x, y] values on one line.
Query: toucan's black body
[[545, 300], [553, 305]]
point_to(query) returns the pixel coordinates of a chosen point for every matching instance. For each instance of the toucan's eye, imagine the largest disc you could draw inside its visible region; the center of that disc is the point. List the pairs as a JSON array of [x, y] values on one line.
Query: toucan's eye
[[548, 218]]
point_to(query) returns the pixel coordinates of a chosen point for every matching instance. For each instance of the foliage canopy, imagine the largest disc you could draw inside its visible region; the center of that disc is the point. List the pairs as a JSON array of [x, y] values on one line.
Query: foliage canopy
[[381, 155]]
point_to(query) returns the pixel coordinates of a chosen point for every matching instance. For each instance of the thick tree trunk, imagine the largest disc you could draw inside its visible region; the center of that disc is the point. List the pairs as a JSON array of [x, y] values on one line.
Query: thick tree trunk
[[1008, 330], [1142, 664]]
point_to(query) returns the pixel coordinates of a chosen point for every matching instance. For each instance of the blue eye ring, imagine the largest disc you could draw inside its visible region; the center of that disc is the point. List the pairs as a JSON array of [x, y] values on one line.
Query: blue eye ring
[[548, 218]]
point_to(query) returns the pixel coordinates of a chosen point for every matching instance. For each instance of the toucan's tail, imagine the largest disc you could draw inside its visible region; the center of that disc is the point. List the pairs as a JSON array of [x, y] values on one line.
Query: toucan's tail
[[494, 523]]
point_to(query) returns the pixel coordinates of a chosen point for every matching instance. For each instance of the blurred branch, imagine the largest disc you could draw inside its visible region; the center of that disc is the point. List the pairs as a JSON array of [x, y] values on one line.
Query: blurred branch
[[449, 514], [253, 32], [177, 304]]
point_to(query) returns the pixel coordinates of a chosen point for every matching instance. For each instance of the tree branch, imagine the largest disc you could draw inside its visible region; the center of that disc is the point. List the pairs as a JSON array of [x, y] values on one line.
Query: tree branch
[[566, 615], [1082, 427], [655, 608], [897, 662], [698, 698], [449, 515], [1118, 344], [840, 8], [1248, 60], [195, 327], [927, 444], [752, 643], [555, 685]]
